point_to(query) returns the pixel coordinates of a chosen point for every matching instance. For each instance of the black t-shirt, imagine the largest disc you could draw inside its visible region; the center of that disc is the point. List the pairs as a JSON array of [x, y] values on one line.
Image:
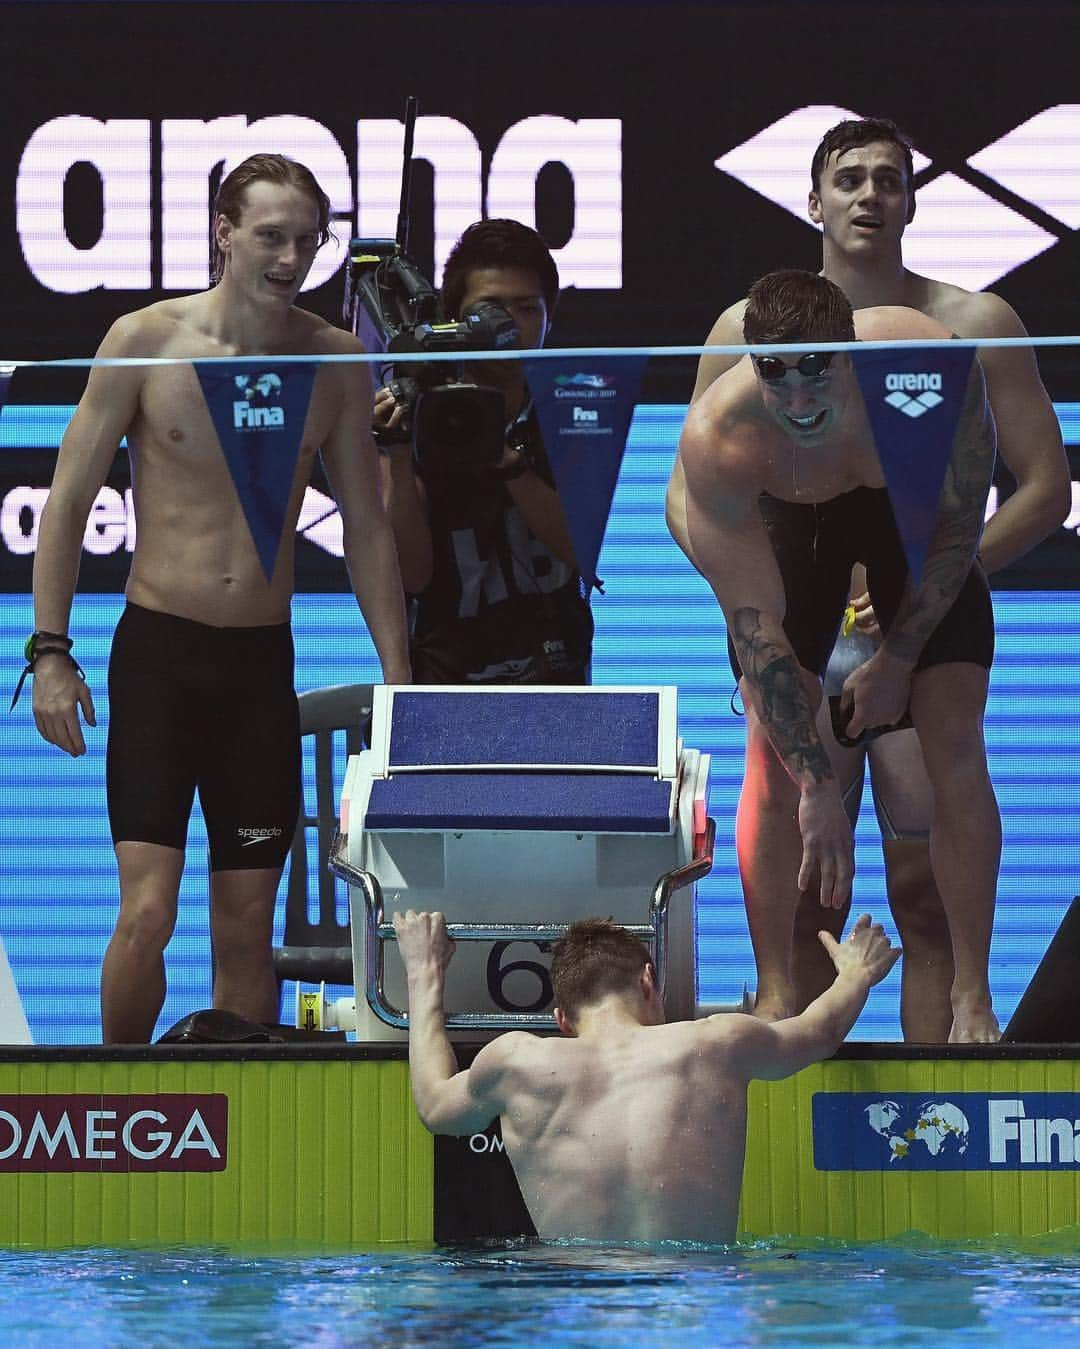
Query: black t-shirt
[[501, 608]]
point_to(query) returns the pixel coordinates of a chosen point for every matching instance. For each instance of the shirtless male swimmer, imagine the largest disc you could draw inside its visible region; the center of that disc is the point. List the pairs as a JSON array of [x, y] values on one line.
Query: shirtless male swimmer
[[628, 1129], [783, 491], [201, 671], [863, 196]]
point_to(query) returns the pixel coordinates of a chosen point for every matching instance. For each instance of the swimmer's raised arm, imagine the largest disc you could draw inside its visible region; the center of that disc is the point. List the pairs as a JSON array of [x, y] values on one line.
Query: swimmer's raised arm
[[777, 1049], [448, 1101]]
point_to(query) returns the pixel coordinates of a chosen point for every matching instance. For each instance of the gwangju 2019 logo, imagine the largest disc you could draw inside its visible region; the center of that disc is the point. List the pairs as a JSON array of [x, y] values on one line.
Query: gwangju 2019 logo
[[955, 1131]]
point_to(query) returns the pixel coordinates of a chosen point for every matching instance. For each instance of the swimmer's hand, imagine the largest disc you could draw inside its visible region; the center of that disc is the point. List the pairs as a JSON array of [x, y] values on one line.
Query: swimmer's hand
[[866, 955], [59, 693], [865, 618], [877, 692], [425, 945], [828, 846]]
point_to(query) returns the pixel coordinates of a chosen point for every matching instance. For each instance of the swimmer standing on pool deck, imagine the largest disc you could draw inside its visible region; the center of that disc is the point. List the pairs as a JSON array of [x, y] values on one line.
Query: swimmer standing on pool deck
[[784, 491], [201, 672], [628, 1129]]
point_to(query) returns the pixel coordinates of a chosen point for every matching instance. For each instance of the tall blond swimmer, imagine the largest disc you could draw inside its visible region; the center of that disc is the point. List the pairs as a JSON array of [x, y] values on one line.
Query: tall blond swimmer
[[201, 670]]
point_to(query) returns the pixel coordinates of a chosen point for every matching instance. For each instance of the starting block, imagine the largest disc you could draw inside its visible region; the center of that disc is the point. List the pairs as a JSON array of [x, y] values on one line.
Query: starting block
[[514, 811]]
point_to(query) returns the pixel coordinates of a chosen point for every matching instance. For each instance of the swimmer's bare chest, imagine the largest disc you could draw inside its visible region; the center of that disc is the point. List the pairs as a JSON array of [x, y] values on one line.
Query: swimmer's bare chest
[[812, 473], [195, 554]]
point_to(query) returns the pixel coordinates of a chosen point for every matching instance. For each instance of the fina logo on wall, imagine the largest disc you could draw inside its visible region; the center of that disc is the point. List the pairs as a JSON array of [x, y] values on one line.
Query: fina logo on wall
[[961, 233], [142, 246], [955, 1131]]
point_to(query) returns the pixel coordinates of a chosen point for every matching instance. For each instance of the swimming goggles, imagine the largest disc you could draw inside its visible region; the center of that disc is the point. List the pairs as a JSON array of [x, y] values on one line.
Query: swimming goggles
[[811, 365]]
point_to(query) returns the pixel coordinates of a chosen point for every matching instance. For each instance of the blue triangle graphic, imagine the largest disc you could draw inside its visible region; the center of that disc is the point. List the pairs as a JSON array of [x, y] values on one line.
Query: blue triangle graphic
[[259, 414], [584, 407], [913, 398]]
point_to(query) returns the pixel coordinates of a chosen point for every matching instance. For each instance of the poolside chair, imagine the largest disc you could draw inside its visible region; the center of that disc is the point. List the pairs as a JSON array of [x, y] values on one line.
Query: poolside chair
[[316, 946]]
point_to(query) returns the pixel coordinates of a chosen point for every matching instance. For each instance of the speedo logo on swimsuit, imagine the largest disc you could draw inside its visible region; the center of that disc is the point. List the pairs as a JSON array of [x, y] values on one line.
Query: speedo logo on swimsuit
[[913, 394], [251, 836], [254, 411]]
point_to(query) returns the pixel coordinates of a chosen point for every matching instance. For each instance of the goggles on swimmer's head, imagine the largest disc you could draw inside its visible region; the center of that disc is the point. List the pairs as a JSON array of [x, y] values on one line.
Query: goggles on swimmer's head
[[811, 365]]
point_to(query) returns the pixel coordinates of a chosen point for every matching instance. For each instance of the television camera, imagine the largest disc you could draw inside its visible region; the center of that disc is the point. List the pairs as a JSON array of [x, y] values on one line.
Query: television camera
[[453, 423]]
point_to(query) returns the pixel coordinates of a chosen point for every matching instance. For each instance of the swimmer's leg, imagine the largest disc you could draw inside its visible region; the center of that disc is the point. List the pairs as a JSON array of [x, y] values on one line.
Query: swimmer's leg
[[241, 926], [133, 971], [769, 848], [904, 800], [947, 703]]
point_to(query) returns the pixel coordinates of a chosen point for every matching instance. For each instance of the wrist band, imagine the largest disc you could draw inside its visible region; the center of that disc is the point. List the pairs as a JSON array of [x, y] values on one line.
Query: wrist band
[[57, 641], [40, 644]]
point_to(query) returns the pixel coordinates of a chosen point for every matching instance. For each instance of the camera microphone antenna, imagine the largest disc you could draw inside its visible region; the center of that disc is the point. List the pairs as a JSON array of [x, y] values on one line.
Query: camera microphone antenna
[[412, 108]]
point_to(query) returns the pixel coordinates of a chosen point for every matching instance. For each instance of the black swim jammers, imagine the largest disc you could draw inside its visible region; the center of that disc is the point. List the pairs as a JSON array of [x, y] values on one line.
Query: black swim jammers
[[194, 707], [816, 546]]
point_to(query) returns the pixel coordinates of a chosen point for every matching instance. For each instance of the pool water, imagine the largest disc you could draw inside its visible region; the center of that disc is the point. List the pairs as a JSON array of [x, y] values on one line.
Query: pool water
[[510, 1294]]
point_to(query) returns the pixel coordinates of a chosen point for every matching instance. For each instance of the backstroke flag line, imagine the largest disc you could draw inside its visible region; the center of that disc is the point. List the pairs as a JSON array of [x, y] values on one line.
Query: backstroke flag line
[[584, 406], [259, 416], [913, 399]]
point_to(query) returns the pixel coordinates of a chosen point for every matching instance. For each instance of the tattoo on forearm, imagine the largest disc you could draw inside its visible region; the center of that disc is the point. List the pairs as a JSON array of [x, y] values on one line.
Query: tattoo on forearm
[[783, 704], [961, 509]]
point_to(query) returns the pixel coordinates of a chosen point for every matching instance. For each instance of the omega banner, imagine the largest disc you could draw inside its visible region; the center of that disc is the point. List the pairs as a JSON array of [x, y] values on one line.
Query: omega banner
[[159, 1132]]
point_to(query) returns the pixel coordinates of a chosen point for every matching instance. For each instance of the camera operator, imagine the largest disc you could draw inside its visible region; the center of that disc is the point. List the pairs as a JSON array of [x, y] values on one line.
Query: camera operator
[[483, 546]]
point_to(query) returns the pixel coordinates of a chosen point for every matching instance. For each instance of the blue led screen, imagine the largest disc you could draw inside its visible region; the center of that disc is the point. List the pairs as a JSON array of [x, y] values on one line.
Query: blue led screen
[[656, 624]]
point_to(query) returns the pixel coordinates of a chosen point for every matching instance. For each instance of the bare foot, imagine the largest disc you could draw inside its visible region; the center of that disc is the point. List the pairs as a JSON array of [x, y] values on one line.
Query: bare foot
[[975, 1025]]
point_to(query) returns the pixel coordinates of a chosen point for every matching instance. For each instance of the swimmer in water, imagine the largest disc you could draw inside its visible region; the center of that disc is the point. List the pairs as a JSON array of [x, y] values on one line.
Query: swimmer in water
[[624, 1128]]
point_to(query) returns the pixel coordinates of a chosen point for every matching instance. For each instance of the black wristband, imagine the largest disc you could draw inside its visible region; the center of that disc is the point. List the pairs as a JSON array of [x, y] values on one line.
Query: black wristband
[[40, 644], [54, 640]]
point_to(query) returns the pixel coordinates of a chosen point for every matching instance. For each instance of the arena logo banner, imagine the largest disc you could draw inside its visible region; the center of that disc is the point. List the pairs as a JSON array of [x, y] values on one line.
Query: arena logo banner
[[953, 1131], [259, 415], [913, 399], [167, 1131], [585, 407]]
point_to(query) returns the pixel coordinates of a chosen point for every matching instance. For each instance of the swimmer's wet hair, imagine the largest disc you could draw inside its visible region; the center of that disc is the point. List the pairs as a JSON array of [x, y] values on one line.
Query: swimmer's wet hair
[[594, 958], [263, 168], [498, 243], [853, 135], [792, 305]]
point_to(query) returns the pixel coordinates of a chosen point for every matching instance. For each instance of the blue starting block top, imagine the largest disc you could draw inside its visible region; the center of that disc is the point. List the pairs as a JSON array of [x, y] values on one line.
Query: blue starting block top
[[585, 803], [617, 730]]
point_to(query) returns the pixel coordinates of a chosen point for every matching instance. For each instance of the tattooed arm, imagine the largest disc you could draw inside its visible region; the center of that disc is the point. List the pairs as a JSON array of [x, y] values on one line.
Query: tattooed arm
[[723, 462], [881, 689]]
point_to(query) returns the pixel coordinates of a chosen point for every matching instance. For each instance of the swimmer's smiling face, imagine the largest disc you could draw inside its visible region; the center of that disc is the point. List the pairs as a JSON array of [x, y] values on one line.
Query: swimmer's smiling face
[[805, 406], [269, 251]]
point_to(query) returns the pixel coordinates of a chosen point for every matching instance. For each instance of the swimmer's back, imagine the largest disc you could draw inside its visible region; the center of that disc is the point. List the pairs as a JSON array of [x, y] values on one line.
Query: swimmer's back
[[640, 1136]]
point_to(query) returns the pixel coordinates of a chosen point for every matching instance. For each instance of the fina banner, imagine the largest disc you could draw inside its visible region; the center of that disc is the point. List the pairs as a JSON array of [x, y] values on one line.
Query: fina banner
[[913, 398], [259, 415], [584, 407], [949, 1131]]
